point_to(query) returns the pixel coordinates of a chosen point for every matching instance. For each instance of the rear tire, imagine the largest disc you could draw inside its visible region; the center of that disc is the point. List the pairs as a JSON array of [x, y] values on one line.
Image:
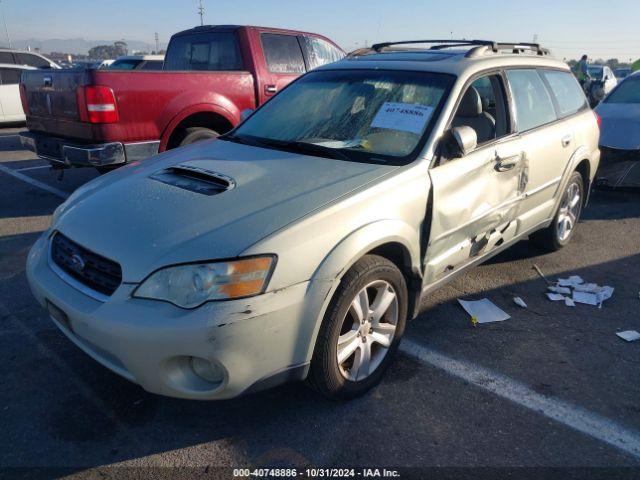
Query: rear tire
[[197, 134], [562, 228], [361, 329]]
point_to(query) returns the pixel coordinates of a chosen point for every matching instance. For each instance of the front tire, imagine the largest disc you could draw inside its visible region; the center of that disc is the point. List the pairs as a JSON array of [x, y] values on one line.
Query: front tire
[[562, 228], [361, 329]]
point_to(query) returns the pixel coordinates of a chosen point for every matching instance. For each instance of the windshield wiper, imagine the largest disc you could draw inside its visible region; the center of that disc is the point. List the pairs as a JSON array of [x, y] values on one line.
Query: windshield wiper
[[297, 146], [314, 148], [243, 140]]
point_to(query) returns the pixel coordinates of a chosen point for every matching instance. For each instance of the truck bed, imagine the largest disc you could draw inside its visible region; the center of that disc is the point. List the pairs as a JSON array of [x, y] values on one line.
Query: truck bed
[[146, 100]]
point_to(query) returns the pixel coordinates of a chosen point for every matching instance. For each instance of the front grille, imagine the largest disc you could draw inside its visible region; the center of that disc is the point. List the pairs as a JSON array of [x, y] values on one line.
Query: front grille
[[90, 269]]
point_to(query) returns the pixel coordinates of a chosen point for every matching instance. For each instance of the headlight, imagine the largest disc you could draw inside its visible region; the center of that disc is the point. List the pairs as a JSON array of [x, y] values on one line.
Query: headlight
[[189, 286]]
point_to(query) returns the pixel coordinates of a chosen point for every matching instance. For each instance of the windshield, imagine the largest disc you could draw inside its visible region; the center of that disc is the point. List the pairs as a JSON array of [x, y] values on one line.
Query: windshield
[[627, 92], [360, 115]]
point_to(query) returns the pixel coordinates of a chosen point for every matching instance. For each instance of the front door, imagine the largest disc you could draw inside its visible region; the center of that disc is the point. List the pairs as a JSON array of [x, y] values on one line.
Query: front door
[[476, 197], [283, 60]]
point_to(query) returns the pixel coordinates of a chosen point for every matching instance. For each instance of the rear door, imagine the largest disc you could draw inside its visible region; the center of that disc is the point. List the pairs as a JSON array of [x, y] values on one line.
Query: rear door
[[548, 140], [284, 62], [10, 94], [476, 197]]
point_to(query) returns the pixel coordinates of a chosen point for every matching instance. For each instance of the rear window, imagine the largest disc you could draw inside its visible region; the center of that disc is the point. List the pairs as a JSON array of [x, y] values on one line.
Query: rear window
[[627, 92], [32, 60], [217, 51], [10, 76], [533, 103], [6, 57], [567, 92], [282, 53]]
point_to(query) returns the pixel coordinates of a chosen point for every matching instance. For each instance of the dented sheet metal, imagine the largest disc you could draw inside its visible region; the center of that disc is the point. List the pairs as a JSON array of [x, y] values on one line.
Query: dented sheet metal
[[474, 209]]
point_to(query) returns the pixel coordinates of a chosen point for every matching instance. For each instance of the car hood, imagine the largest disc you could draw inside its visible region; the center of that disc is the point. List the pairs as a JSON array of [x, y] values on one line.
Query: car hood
[[145, 224], [620, 125]]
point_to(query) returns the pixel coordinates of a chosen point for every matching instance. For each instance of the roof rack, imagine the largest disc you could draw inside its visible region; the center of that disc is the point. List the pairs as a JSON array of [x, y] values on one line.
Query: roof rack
[[478, 47]]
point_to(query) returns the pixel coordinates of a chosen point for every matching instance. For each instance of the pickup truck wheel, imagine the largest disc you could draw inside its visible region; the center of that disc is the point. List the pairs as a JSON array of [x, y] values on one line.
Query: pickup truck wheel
[[559, 233], [361, 329], [195, 134]]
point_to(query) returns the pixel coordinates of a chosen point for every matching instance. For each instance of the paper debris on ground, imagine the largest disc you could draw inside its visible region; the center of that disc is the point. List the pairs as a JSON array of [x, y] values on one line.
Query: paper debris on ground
[[520, 302], [629, 335], [574, 290], [572, 281], [484, 311], [555, 297], [563, 290]]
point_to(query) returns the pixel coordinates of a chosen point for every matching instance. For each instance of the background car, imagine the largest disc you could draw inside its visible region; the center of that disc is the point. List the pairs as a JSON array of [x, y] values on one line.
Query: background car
[[137, 62], [602, 82], [10, 105], [31, 59], [620, 135], [622, 73]]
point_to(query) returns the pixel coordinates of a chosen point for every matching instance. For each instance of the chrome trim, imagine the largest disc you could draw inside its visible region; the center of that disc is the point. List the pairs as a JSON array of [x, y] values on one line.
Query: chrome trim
[[64, 276], [542, 187]]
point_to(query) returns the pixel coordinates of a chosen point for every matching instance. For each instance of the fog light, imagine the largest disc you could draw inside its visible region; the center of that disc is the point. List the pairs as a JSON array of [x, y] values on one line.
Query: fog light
[[207, 370]]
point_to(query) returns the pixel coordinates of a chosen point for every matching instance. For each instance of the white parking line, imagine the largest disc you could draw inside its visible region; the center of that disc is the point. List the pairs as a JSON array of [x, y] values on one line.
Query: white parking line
[[572, 416], [32, 168], [35, 183]]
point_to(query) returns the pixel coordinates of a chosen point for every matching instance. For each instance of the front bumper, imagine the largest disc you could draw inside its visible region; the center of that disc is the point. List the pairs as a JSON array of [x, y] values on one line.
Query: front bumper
[[66, 153], [257, 342]]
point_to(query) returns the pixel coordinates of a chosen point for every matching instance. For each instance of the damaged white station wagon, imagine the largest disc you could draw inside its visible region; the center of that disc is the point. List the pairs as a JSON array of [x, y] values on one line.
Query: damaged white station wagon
[[298, 245]]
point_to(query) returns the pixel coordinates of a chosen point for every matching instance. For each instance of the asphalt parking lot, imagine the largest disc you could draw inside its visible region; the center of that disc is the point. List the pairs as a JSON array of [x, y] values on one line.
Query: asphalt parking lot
[[551, 387]]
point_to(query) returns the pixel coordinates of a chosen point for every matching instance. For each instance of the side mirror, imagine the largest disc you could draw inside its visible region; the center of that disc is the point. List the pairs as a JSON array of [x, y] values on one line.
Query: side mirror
[[466, 139], [245, 114]]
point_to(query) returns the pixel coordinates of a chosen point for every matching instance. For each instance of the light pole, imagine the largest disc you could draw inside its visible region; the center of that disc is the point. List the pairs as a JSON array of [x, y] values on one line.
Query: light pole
[[4, 19], [201, 13]]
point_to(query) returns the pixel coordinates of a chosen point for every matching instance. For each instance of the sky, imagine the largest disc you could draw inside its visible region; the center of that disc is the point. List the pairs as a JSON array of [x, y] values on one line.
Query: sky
[[601, 29]]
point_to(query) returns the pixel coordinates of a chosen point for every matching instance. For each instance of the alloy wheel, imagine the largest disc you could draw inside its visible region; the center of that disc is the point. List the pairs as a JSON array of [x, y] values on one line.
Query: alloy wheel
[[569, 211], [367, 330]]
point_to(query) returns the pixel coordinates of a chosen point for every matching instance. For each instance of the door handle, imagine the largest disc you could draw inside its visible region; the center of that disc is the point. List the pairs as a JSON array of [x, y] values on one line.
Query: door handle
[[566, 141], [270, 89], [504, 164]]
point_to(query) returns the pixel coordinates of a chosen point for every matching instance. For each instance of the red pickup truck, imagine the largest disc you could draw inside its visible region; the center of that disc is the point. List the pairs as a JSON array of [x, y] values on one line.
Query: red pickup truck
[[104, 118]]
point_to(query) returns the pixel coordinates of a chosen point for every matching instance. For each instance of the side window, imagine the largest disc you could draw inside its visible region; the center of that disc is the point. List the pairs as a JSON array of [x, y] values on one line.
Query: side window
[[321, 52], [483, 108], [282, 53], [10, 76], [533, 103], [31, 60], [569, 96], [6, 57]]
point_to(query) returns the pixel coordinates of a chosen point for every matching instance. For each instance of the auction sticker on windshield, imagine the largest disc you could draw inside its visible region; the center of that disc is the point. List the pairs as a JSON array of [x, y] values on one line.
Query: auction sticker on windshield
[[407, 117]]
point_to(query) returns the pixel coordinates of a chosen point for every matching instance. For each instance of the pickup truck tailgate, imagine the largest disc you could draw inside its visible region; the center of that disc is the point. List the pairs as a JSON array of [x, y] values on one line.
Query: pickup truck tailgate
[[53, 93]]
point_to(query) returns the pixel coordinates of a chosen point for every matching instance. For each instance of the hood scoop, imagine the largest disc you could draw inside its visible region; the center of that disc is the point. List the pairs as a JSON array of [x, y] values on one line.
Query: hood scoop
[[195, 179]]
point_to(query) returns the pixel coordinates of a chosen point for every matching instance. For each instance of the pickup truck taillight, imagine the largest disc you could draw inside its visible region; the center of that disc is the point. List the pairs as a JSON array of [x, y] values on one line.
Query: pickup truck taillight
[[101, 104], [23, 99]]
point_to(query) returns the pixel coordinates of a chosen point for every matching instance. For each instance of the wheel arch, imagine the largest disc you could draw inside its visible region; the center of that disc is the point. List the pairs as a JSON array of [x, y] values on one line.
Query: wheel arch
[[210, 116], [392, 239]]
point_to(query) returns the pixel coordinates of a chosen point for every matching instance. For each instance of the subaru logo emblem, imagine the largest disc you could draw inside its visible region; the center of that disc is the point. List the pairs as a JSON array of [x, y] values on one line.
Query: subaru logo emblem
[[77, 263]]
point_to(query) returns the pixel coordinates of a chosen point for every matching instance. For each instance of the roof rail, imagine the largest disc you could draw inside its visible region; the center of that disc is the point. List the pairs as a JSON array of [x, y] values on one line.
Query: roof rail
[[478, 47], [515, 48], [438, 44]]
